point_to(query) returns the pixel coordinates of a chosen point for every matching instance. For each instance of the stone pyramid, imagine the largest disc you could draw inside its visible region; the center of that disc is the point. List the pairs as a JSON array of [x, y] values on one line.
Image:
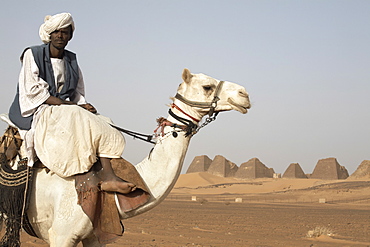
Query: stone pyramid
[[199, 164], [329, 168], [222, 167], [254, 168], [294, 171], [362, 171]]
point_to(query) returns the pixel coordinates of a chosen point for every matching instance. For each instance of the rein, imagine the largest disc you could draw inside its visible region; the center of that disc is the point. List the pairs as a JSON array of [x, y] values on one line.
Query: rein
[[189, 127], [135, 134]]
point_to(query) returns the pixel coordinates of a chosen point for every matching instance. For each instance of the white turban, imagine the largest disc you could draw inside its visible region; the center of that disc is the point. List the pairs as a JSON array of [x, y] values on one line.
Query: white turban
[[53, 23]]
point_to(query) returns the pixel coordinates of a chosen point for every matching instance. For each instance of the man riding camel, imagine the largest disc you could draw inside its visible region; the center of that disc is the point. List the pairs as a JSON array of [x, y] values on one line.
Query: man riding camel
[[55, 121]]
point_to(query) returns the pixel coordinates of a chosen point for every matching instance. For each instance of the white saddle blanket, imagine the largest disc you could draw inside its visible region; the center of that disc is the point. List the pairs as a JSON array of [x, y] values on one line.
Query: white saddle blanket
[[68, 139]]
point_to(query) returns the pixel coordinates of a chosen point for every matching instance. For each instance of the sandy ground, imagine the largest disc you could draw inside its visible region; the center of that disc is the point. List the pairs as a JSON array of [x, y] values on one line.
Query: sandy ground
[[202, 211]]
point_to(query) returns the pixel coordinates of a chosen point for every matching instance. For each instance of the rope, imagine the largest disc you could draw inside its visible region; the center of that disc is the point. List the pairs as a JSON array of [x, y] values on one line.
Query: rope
[[135, 134], [25, 196]]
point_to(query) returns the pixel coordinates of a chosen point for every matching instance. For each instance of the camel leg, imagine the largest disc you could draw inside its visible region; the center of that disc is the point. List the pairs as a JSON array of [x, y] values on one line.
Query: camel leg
[[92, 242], [57, 240], [66, 232]]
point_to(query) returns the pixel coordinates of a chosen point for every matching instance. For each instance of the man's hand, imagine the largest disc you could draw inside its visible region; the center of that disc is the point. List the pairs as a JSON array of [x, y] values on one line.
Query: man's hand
[[57, 101], [89, 107]]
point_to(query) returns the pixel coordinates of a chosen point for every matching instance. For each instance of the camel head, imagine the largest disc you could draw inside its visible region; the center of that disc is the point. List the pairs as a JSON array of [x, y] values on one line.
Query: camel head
[[199, 93]]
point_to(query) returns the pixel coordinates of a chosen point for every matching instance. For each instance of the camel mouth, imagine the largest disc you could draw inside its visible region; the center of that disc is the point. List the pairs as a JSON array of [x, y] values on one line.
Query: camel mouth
[[238, 107]]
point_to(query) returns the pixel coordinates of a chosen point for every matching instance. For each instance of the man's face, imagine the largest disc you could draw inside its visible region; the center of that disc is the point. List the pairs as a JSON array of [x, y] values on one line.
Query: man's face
[[59, 38]]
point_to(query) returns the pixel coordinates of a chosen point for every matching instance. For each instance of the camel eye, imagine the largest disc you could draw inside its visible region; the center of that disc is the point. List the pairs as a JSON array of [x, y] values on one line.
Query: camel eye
[[207, 88]]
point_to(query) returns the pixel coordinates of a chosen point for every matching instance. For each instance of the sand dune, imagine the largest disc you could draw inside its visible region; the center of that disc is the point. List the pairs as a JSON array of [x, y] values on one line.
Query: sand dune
[[193, 180], [208, 186], [210, 183]]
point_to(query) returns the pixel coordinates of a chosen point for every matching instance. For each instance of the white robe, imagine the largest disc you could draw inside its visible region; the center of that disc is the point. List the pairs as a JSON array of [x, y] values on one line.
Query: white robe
[[67, 138]]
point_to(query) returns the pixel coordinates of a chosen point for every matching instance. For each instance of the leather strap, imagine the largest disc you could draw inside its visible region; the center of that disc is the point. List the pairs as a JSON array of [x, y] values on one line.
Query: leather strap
[[173, 105]]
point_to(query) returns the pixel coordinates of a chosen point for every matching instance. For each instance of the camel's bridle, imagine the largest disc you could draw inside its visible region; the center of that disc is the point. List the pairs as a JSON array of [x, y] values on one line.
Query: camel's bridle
[[211, 105], [191, 127]]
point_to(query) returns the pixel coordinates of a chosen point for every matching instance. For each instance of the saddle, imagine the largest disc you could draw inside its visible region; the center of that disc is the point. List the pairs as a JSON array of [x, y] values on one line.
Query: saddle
[[101, 206]]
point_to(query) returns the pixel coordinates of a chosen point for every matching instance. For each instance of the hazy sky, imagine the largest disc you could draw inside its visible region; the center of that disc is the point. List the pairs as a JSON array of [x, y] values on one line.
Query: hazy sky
[[304, 63]]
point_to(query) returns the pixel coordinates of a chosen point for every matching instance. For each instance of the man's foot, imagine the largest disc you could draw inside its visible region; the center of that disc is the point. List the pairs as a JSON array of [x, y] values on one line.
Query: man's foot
[[117, 186]]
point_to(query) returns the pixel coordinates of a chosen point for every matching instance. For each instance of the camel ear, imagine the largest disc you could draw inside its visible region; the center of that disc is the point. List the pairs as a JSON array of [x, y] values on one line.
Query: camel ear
[[186, 75]]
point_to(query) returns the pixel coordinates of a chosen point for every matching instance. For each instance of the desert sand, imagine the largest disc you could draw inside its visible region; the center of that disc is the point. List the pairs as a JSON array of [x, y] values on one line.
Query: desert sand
[[206, 210]]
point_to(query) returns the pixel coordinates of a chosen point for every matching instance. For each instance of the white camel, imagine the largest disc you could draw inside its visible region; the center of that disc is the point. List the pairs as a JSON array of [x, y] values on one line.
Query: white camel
[[54, 212]]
